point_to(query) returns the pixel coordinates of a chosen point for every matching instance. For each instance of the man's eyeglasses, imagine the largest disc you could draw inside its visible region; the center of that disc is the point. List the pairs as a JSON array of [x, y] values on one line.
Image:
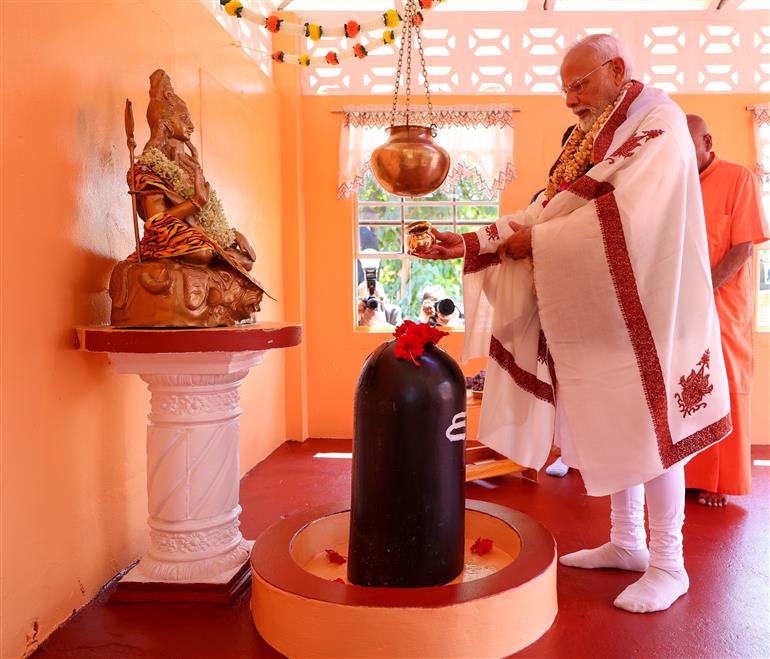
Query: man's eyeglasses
[[577, 85]]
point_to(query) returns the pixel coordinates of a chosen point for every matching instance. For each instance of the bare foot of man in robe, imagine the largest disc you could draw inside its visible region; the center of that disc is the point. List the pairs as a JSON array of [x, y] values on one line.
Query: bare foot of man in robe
[[717, 499]]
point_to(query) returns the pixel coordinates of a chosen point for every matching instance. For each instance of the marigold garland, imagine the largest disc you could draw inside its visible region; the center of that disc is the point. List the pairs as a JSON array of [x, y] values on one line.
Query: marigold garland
[[273, 23], [575, 159], [391, 18], [233, 7], [211, 218], [314, 32], [351, 29]]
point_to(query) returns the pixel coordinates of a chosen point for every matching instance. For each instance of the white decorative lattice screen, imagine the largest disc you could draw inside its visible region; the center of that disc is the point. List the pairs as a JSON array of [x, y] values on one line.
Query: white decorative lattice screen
[[519, 52], [489, 53]]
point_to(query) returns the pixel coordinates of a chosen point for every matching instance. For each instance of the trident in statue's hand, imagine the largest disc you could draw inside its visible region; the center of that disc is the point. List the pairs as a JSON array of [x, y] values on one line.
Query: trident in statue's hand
[[129, 117]]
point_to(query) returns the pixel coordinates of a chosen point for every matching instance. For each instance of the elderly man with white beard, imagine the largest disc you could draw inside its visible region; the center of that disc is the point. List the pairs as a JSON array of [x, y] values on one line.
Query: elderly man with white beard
[[595, 309]]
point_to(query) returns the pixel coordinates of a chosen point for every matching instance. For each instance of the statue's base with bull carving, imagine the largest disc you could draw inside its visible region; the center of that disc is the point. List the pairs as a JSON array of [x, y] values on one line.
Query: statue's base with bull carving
[[167, 293]]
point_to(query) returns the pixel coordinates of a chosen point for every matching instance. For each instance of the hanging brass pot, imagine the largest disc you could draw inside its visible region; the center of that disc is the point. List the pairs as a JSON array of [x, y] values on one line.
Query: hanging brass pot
[[410, 163]]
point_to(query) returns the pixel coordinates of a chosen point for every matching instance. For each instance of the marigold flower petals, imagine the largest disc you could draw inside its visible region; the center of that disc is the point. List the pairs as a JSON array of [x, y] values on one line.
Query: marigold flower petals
[[392, 18], [234, 8], [351, 29], [273, 23]]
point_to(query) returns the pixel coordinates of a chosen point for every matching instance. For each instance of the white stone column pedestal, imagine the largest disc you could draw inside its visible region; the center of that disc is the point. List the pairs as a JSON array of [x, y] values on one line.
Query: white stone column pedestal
[[193, 472], [196, 549]]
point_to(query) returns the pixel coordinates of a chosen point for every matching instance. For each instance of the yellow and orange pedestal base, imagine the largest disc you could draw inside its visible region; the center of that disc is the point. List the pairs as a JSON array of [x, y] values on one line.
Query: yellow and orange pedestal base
[[502, 602]]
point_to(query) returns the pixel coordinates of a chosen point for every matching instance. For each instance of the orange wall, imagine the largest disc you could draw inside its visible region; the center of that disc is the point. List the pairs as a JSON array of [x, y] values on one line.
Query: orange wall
[[73, 432], [336, 351]]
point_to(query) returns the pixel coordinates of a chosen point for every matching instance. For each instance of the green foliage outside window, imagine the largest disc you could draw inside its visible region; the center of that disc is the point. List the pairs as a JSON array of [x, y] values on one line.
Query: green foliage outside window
[[381, 220]]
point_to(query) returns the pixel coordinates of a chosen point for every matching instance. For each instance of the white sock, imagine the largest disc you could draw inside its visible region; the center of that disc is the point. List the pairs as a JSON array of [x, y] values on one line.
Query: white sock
[[627, 548], [666, 580], [665, 509], [608, 555], [557, 468], [655, 591]]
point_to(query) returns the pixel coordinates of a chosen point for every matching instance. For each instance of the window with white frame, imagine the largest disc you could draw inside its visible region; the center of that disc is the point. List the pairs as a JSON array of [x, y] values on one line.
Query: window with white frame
[[391, 285]]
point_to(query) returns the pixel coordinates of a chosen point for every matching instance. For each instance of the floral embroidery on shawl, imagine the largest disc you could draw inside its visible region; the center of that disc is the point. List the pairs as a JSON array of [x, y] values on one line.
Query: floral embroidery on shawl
[[626, 150], [492, 232], [694, 387]]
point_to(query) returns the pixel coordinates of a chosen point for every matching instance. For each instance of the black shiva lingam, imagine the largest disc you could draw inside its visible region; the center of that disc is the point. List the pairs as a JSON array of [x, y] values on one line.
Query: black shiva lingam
[[408, 499]]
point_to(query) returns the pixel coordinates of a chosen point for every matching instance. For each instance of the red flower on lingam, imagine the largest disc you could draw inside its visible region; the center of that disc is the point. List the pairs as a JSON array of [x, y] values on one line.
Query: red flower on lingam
[[411, 339]]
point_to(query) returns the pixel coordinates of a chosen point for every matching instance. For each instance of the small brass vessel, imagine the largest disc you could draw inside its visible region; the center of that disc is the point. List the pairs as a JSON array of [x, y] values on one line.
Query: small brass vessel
[[410, 163], [419, 238]]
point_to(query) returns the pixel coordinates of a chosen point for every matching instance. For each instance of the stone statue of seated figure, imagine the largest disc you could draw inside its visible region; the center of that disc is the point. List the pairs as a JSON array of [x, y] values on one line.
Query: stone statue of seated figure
[[194, 269]]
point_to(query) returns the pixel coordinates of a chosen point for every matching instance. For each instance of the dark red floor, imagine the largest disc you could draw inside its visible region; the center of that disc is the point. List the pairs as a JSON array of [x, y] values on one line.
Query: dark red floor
[[724, 615]]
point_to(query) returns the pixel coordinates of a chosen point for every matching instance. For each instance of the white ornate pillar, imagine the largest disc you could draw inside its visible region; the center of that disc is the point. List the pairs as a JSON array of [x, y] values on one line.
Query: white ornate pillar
[[193, 437], [193, 471]]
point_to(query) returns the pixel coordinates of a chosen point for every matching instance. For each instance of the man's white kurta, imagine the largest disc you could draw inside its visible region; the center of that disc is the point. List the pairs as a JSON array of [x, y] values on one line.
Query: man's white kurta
[[608, 336]]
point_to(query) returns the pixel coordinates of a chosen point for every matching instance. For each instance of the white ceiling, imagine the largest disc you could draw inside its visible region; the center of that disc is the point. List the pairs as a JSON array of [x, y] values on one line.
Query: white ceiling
[[317, 6]]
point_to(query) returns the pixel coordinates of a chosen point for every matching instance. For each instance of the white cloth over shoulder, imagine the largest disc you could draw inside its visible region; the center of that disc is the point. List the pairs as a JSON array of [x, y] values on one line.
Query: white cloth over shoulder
[[609, 335]]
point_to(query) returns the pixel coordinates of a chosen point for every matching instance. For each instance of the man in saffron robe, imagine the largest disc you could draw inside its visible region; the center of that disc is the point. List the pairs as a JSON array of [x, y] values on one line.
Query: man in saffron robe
[[734, 224], [595, 309]]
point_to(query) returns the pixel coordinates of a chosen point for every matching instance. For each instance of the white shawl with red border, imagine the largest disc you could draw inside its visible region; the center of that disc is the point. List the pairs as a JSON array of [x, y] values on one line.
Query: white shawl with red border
[[609, 335]]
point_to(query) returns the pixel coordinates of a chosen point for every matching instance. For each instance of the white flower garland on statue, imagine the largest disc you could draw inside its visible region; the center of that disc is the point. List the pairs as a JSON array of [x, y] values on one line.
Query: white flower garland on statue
[[391, 19], [211, 218]]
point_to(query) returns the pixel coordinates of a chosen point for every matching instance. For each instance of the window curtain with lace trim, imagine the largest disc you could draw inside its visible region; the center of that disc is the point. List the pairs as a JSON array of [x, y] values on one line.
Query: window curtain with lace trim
[[479, 140]]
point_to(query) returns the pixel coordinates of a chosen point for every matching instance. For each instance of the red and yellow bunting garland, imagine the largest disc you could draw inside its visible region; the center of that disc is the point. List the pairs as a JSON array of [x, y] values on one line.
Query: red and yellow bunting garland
[[391, 19]]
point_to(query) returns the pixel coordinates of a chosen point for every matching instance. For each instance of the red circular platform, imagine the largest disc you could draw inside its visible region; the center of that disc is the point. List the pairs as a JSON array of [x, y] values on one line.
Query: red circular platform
[[301, 613]]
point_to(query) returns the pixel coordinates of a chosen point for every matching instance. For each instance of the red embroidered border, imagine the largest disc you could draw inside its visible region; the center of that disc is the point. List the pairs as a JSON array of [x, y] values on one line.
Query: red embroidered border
[[635, 320], [637, 326], [699, 440], [590, 188], [522, 378], [542, 348], [603, 140], [474, 262]]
